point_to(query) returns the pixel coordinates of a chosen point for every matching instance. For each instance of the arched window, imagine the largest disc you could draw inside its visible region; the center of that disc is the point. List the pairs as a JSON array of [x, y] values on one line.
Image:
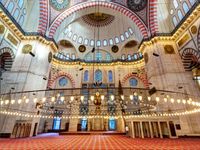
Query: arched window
[[16, 14], [21, 20], [56, 123], [86, 76], [73, 56], [180, 15], [175, 22], [10, 7], [63, 81], [133, 82], [110, 76], [98, 56], [108, 57], [98, 76], [175, 3], [185, 7], [123, 57], [112, 124], [192, 2], [129, 57], [20, 3]]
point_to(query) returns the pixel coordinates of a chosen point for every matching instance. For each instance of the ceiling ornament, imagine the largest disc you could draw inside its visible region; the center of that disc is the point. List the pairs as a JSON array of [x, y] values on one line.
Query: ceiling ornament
[[59, 4], [136, 5], [98, 19]]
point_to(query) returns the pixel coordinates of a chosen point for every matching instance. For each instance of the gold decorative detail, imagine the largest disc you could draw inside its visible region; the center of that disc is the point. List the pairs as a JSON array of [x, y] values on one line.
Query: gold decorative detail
[[12, 39], [82, 48], [146, 58], [183, 40], [2, 29], [66, 44], [115, 49], [193, 29], [131, 44], [169, 49], [27, 48], [50, 56]]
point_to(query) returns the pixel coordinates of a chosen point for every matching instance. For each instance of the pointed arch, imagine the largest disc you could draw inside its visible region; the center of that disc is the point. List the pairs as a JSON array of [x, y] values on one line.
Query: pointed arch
[[74, 9], [58, 75]]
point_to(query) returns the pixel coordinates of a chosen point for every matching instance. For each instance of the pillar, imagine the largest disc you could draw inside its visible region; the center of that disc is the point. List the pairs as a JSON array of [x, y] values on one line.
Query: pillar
[[160, 130], [151, 131], [132, 129], [141, 127]]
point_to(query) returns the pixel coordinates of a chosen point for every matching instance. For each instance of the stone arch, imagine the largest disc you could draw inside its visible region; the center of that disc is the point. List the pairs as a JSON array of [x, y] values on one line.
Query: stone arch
[[190, 58], [58, 75], [57, 22], [6, 58], [143, 78], [8, 50]]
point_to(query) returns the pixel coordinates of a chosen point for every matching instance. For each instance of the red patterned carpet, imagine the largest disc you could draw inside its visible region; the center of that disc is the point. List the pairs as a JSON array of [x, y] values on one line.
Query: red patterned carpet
[[89, 142]]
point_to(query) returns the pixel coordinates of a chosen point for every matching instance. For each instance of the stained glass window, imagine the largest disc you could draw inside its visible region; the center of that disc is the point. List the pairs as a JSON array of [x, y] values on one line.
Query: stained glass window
[[110, 76], [56, 123], [86, 75], [180, 15], [98, 56], [83, 124], [112, 124], [133, 82], [63, 81], [185, 7], [98, 76], [10, 7], [175, 22], [16, 13], [20, 3]]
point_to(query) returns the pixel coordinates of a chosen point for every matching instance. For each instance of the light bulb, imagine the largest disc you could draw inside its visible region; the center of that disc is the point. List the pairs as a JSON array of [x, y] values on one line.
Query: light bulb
[[149, 98], [53, 99], [172, 100], [131, 97], [135, 94], [92, 98], [12, 101], [183, 101], [72, 98], [35, 100], [178, 100], [27, 100], [157, 99], [44, 99], [2, 102], [19, 101], [62, 98], [102, 97], [140, 98], [122, 97], [165, 99], [7, 102], [112, 97], [82, 98]]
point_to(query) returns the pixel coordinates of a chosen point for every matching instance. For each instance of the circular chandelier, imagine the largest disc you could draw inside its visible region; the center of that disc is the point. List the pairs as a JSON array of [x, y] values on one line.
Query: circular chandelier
[[99, 103]]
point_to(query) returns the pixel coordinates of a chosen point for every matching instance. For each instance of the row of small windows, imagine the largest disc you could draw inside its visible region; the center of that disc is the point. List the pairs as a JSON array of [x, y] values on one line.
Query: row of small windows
[[98, 76], [99, 43], [98, 57], [135, 56], [67, 56], [180, 14], [17, 10]]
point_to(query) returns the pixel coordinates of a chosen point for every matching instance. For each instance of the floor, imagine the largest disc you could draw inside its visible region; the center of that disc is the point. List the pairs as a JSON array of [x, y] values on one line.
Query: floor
[[89, 142]]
